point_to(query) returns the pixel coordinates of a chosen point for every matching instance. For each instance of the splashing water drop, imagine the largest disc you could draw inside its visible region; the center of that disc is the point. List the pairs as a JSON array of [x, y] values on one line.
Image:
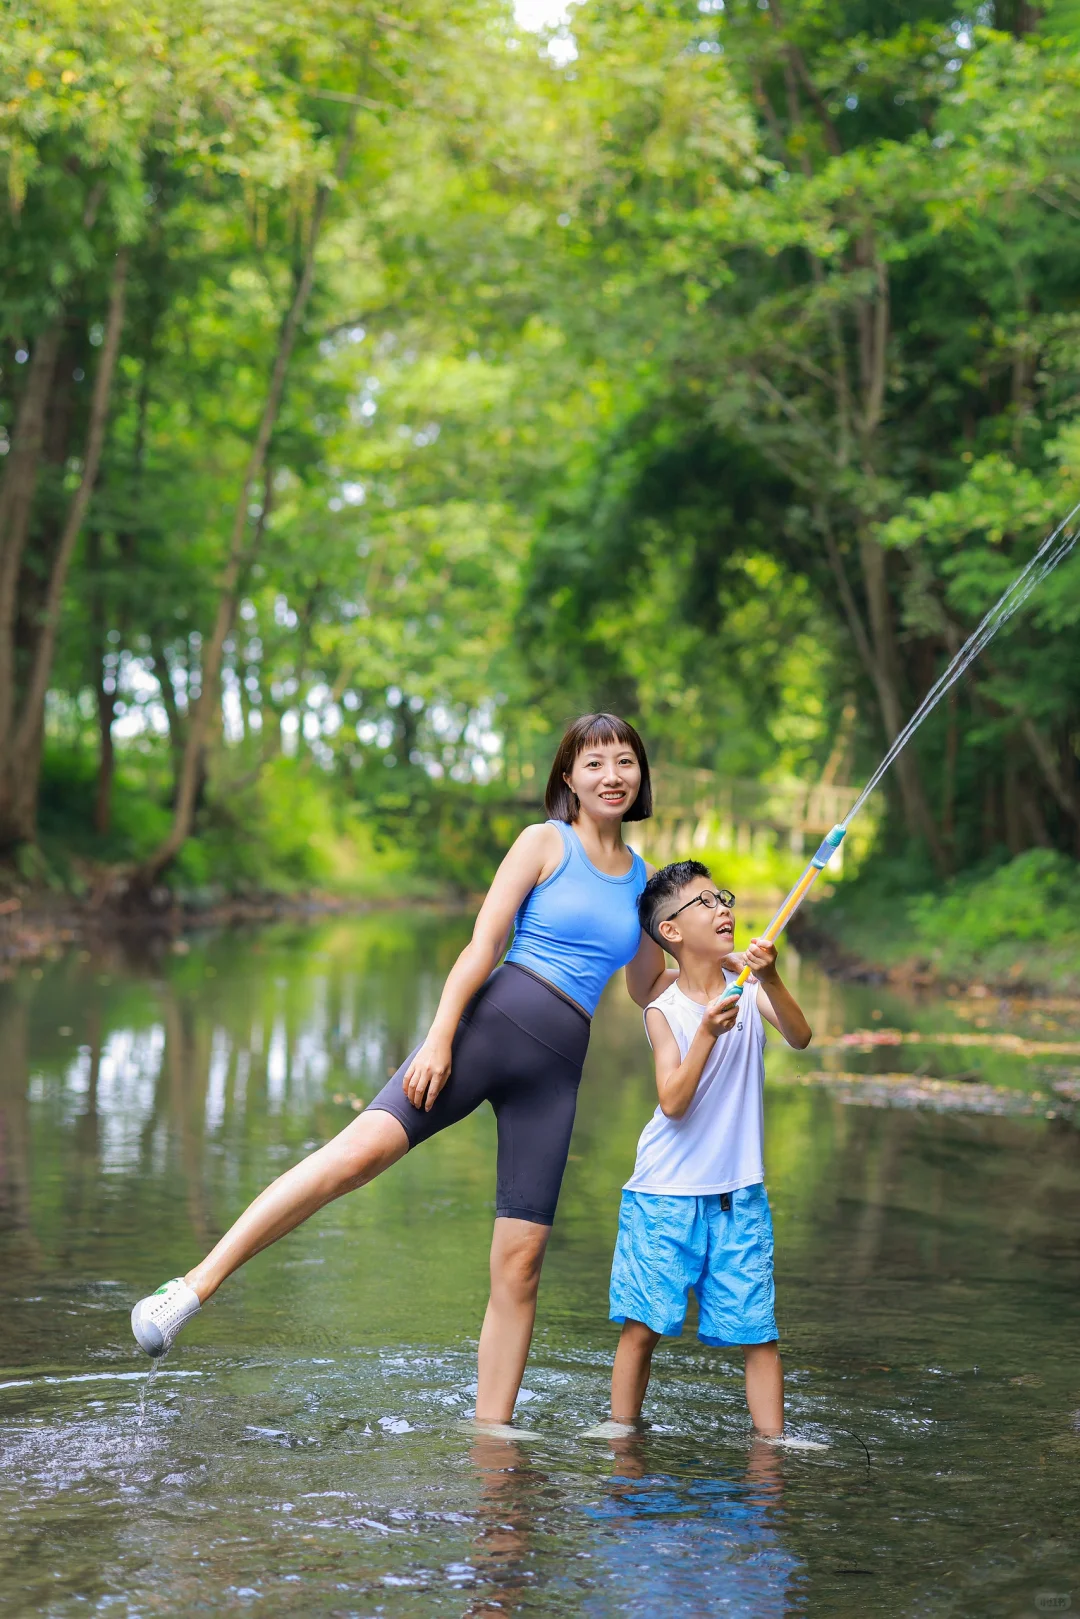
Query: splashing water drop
[[144, 1394]]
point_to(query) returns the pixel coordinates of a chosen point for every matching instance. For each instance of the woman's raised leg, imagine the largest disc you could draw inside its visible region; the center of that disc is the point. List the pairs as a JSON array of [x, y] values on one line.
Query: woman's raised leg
[[356, 1155], [365, 1147], [517, 1256]]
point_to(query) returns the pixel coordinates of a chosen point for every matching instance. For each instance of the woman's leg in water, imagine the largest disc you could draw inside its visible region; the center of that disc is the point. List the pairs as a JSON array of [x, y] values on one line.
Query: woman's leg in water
[[534, 1098], [517, 1255], [365, 1147]]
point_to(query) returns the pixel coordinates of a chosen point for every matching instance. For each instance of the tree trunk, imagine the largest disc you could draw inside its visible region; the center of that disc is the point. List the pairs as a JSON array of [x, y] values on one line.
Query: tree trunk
[[22, 761], [1015, 840], [126, 542], [163, 675], [1062, 789], [886, 676], [948, 796], [237, 557], [991, 835], [106, 707], [1032, 815], [1057, 767], [16, 500], [241, 668], [1018, 17], [875, 638], [876, 647], [243, 698], [106, 699]]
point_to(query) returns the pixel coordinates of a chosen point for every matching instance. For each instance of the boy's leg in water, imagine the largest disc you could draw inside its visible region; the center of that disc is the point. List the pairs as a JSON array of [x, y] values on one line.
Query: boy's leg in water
[[630, 1373], [517, 1256], [765, 1388], [365, 1147]]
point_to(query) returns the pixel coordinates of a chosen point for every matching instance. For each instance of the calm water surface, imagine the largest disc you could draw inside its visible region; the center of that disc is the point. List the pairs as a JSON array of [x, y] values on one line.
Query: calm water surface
[[300, 1451]]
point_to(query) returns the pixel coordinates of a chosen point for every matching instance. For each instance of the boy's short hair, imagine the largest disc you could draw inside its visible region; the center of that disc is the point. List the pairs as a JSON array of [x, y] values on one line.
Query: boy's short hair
[[662, 888]]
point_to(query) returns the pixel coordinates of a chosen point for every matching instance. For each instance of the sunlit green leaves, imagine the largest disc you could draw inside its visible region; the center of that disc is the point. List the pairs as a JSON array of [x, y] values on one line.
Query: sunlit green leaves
[[617, 370]]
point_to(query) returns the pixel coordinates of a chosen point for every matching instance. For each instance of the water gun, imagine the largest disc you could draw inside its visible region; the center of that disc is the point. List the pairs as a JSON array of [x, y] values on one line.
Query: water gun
[[828, 847]]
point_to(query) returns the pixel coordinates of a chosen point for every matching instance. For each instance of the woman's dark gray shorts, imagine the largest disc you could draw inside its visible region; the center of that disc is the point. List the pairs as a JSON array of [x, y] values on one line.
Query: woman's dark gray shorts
[[520, 1045]]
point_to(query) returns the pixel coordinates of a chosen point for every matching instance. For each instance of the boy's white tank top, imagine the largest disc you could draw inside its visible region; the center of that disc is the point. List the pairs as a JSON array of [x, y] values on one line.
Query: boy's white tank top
[[718, 1144]]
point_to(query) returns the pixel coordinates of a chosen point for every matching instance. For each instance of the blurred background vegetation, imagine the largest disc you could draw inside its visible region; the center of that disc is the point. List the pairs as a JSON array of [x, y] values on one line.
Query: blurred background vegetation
[[381, 385]]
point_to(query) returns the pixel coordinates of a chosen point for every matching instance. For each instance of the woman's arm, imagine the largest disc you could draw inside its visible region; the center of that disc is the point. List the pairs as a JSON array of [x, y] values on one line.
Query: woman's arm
[[648, 974], [533, 856]]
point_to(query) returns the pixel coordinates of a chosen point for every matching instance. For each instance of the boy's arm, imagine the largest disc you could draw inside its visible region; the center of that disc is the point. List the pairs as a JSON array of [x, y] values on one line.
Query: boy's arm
[[775, 1001], [678, 1077]]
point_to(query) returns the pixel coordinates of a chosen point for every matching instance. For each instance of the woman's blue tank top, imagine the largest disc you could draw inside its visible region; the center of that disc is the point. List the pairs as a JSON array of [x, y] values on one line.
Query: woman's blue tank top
[[579, 925]]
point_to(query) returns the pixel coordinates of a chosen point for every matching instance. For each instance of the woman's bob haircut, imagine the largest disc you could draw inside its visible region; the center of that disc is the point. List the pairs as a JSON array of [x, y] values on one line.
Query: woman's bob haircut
[[591, 731]]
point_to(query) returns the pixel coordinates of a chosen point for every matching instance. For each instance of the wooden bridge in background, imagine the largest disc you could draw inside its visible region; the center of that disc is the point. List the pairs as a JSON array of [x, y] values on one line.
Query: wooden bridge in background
[[700, 809]]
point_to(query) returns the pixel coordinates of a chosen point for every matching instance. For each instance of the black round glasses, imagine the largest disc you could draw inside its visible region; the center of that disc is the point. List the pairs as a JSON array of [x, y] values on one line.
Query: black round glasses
[[711, 898]]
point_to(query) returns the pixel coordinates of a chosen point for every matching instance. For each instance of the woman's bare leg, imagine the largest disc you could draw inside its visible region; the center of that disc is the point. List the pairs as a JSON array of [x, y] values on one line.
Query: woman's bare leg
[[365, 1147], [517, 1255]]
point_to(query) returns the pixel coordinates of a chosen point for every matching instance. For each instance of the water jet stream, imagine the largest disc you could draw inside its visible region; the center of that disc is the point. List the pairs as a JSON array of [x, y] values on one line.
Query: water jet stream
[[1054, 549]]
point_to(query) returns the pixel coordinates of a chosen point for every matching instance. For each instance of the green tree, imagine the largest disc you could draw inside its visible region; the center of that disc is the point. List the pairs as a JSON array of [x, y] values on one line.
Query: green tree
[[820, 261]]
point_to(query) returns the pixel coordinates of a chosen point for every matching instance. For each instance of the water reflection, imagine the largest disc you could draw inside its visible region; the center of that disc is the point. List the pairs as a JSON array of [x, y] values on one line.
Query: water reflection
[[510, 1487], [305, 1435], [674, 1528]]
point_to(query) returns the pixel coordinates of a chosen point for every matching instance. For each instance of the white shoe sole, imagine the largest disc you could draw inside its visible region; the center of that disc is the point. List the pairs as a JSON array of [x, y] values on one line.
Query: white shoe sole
[[148, 1334]]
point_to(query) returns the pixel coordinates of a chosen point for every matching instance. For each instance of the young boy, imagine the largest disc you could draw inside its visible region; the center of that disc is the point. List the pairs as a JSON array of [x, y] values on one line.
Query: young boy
[[694, 1213]]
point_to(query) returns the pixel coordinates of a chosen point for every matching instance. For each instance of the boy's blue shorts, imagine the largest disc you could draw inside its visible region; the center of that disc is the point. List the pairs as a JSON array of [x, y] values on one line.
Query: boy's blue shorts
[[667, 1245]]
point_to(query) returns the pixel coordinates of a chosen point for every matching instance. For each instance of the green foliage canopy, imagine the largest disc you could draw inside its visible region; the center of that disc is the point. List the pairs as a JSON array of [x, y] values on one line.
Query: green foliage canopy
[[717, 364]]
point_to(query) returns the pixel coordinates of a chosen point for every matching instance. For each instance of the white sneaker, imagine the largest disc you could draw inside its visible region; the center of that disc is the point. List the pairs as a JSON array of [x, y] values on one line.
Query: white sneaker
[[157, 1319]]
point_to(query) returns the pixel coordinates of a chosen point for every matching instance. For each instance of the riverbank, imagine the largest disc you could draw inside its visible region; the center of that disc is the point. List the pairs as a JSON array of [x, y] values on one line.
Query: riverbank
[[1014, 929], [37, 926], [289, 842]]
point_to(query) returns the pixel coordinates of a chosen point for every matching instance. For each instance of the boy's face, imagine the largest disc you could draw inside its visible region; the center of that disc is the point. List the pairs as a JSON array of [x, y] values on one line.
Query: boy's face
[[696, 928]]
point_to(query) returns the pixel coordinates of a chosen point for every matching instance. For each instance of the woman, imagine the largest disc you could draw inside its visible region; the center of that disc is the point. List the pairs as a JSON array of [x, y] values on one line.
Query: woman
[[514, 1035]]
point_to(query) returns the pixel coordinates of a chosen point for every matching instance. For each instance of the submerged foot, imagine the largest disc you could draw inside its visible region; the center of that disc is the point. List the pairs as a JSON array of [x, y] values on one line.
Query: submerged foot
[[613, 1430], [157, 1319], [496, 1430], [790, 1441]]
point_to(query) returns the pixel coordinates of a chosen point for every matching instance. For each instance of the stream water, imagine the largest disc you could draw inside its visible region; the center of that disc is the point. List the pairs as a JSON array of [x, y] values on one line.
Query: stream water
[[302, 1449]]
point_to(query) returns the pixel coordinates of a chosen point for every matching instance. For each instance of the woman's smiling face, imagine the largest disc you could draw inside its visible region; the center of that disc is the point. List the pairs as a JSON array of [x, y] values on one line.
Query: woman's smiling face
[[606, 778]]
